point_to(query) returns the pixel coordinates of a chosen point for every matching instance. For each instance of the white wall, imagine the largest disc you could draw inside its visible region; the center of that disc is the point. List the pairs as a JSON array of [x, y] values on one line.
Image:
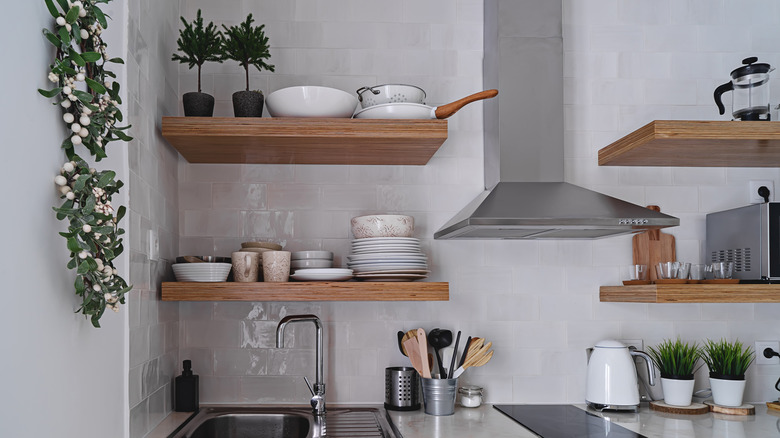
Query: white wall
[[626, 63], [60, 377]]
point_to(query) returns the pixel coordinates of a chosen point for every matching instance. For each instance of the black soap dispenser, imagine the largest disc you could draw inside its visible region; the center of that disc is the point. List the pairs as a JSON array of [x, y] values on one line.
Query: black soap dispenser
[[186, 390]]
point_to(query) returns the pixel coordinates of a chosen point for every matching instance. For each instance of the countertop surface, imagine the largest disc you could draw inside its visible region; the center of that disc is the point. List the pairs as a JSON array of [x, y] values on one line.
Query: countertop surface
[[487, 422]]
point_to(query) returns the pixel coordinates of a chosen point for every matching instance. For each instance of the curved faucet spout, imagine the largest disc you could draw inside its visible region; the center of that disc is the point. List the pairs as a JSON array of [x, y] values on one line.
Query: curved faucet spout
[[318, 390]]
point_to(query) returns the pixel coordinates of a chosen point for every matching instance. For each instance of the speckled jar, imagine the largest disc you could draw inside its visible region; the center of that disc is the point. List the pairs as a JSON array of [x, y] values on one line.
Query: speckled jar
[[248, 103], [198, 104]]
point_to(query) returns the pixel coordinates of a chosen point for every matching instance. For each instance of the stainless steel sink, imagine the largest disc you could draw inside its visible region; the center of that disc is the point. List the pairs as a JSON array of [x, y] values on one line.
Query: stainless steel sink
[[286, 422]]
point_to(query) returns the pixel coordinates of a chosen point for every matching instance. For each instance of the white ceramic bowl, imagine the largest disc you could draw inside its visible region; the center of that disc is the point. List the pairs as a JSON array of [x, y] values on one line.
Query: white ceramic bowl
[[382, 225], [310, 101], [390, 93], [302, 255], [311, 263], [201, 272]]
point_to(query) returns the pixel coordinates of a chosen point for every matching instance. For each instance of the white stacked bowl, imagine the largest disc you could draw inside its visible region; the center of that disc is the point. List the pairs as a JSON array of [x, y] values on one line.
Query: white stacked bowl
[[201, 272], [311, 260]]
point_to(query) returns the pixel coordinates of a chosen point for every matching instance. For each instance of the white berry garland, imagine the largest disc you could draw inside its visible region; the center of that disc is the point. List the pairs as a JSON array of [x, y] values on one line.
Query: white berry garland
[[89, 99]]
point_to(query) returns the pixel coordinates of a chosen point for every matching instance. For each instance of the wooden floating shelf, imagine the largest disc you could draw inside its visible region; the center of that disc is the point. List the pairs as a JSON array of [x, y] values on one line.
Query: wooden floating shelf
[[685, 143], [304, 140], [691, 293], [307, 291]]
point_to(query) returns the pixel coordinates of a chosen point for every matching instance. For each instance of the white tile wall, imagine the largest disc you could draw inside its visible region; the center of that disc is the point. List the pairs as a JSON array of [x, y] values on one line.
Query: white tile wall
[[626, 63]]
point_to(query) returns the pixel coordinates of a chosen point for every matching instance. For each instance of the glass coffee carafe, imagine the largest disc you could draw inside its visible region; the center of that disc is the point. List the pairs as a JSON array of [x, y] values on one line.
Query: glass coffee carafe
[[750, 86]]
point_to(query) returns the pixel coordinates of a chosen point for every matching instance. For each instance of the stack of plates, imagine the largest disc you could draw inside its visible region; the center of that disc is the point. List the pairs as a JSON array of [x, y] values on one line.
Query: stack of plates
[[201, 272], [388, 259]]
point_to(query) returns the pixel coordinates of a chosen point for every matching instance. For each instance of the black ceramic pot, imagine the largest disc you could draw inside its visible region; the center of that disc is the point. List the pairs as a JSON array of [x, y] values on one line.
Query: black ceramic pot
[[248, 104], [198, 104]]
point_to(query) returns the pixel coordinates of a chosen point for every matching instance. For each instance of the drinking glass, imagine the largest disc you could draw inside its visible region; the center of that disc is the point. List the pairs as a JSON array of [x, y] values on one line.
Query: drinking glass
[[722, 270], [683, 270], [667, 270]]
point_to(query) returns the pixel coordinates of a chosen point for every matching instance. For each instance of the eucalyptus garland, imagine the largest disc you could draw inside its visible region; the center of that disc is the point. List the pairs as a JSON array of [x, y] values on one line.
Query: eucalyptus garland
[[89, 99]]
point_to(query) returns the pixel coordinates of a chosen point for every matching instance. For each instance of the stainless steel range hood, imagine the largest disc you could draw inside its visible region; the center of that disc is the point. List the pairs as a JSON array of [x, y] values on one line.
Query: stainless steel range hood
[[525, 197]]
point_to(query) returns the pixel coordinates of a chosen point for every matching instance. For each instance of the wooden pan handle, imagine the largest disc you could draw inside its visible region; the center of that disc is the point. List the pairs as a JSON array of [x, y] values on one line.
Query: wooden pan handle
[[444, 111]]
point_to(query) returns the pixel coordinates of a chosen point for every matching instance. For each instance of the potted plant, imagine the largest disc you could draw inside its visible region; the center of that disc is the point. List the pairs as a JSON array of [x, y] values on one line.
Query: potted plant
[[249, 46], [676, 362], [198, 45], [727, 362]]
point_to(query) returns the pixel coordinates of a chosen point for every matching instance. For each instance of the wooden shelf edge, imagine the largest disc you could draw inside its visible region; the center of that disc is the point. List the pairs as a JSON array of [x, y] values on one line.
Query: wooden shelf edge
[[691, 293], [697, 143], [306, 291]]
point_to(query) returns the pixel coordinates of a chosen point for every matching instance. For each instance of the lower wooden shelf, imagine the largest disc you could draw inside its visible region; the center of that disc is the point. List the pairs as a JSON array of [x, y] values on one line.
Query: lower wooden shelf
[[307, 291], [691, 293]]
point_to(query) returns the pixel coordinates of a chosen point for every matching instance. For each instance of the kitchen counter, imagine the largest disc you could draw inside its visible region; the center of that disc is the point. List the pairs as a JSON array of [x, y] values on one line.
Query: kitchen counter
[[487, 422]]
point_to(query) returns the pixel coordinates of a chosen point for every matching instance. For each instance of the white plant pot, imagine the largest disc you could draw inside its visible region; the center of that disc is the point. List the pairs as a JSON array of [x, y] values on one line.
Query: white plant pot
[[677, 392], [727, 392]]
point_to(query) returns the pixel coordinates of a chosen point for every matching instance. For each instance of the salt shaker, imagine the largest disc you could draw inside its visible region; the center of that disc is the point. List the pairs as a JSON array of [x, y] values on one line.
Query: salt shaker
[[470, 396]]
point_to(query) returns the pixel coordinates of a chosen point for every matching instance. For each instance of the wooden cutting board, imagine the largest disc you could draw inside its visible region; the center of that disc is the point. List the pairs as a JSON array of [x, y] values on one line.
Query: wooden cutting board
[[653, 247]]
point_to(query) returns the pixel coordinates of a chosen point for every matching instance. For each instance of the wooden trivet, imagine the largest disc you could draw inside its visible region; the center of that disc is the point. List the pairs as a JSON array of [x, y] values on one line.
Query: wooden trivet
[[745, 409], [692, 409], [773, 406]]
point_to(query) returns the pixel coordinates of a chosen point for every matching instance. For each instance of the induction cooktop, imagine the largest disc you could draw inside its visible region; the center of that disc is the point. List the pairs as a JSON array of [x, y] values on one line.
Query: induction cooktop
[[564, 421]]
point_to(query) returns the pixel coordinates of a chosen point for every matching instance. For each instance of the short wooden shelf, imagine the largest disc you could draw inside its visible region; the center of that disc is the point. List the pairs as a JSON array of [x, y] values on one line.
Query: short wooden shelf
[[692, 293], [685, 143], [304, 140], [307, 291]]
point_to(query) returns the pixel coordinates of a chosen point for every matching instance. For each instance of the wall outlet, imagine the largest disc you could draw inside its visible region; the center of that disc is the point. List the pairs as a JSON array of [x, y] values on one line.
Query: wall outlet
[[633, 342], [755, 198], [760, 346], [154, 246]]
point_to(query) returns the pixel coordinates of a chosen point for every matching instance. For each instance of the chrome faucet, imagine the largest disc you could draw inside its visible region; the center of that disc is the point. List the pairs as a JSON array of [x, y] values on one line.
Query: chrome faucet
[[318, 390]]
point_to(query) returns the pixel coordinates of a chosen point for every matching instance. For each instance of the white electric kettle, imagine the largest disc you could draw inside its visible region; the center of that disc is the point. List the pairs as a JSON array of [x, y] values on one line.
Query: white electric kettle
[[612, 381]]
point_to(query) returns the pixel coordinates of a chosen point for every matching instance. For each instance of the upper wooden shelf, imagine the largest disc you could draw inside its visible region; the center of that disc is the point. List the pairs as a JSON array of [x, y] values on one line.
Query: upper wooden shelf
[[697, 144], [307, 291], [304, 140], [692, 293]]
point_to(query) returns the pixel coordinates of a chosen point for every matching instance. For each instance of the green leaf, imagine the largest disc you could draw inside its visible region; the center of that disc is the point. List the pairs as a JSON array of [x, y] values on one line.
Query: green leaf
[[83, 96], [91, 56], [83, 268], [62, 67], [75, 57], [64, 36], [120, 213], [72, 264], [97, 87], [100, 16], [107, 177], [89, 206], [73, 15], [73, 245], [75, 30], [109, 73], [122, 136], [80, 286], [50, 93], [52, 9], [52, 38], [116, 60], [63, 4]]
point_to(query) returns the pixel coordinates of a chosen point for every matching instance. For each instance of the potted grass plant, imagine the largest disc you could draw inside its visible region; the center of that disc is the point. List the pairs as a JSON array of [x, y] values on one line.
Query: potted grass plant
[[247, 45], [198, 45], [728, 362], [676, 361]]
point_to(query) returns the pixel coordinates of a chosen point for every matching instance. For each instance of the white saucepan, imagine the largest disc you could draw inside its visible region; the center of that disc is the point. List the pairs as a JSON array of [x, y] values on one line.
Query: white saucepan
[[420, 111]]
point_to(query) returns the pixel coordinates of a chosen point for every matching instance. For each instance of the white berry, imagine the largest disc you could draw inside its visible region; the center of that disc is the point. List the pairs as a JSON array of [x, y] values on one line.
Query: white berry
[[80, 77], [68, 167], [84, 34], [65, 104], [60, 180], [87, 111], [68, 117], [83, 133], [96, 287], [82, 13], [76, 140], [67, 90], [84, 120], [70, 195], [83, 255], [61, 21], [68, 27], [75, 127], [86, 228]]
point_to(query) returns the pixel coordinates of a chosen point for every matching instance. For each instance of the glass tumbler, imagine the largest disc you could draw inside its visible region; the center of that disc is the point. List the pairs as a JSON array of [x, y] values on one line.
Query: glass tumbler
[[667, 270], [722, 270]]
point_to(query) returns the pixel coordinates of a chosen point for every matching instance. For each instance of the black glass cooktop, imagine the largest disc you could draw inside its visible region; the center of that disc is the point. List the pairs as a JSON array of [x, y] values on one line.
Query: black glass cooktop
[[564, 421]]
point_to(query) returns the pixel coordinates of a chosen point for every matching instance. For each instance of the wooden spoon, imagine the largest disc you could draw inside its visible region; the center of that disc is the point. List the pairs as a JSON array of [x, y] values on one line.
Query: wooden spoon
[[413, 349], [408, 335]]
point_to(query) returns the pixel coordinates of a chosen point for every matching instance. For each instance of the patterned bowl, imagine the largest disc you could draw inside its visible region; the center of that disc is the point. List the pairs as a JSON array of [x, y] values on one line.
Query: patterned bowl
[[382, 225]]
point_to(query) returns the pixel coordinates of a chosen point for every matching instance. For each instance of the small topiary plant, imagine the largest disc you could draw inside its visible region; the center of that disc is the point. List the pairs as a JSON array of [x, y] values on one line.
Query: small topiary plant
[[198, 44], [248, 45]]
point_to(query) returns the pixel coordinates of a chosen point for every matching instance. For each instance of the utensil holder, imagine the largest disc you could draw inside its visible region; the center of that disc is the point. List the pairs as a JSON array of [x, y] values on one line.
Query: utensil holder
[[439, 395], [402, 389]]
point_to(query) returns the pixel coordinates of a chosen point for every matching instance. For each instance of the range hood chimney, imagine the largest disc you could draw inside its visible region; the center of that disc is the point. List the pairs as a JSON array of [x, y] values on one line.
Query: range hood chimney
[[525, 197]]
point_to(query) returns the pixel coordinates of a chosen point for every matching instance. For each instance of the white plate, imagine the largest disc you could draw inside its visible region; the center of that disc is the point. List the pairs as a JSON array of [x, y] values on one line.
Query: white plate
[[393, 249], [391, 277], [388, 240], [331, 271], [386, 256], [398, 268], [395, 263], [392, 271], [305, 275]]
